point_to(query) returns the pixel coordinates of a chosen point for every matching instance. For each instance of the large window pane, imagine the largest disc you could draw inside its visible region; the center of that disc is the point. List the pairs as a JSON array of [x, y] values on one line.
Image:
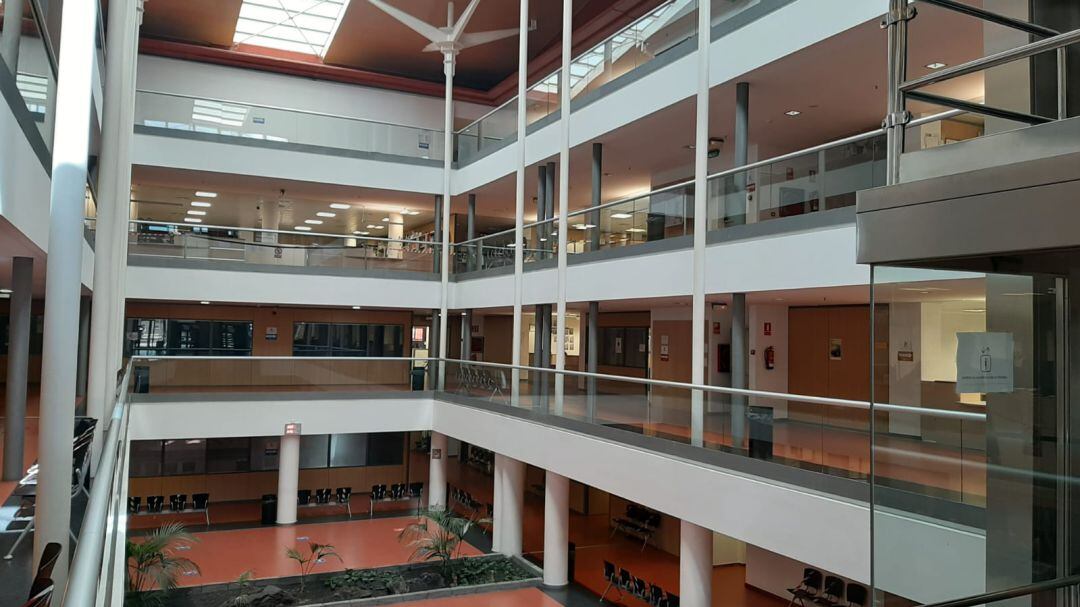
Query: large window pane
[[636, 347], [348, 450], [314, 451], [189, 337], [264, 453], [228, 455], [184, 456], [232, 338], [311, 339], [612, 346], [386, 449], [145, 458]]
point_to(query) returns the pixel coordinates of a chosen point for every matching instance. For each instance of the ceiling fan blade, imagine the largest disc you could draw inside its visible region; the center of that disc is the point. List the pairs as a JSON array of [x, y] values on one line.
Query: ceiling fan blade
[[478, 38], [459, 27], [426, 30]]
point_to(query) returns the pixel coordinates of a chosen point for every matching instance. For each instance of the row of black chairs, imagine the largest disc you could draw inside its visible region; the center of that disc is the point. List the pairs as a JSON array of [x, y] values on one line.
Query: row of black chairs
[[827, 591], [397, 491], [41, 590], [627, 583], [178, 504], [341, 496], [639, 522], [466, 500]]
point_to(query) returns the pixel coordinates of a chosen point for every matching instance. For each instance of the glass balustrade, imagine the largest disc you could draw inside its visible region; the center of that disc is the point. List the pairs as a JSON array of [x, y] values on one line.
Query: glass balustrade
[[280, 248], [282, 125]]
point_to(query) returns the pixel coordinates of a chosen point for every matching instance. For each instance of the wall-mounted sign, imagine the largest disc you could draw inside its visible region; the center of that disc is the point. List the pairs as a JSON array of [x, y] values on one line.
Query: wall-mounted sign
[[258, 120], [984, 362], [836, 348], [278, 252], [292, 428], [271, 333], [905, 356], [768, 329], [436, 454]]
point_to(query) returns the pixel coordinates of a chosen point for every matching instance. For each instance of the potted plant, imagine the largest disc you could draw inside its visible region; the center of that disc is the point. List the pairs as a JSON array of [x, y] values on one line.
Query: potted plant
[[153, 566]]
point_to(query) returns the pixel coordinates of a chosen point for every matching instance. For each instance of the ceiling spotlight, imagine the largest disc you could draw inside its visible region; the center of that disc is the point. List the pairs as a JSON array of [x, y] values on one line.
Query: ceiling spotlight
[[192, 220], [206, 194], [302, 228], [201, 203], [792, 113], [621, 215], [361, 233], [356, 307], [584, 226], [200, 213], [414, 212], [326, 214], [341, 206], [205, 303], [313, 222], [937, 65], [386, 219]]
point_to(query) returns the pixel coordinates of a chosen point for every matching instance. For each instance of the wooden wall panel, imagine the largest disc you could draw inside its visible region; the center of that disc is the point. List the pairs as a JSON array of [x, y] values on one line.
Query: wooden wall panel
[[314, 478], [677, 367], [849, 377], [499, 339], [808, 356]]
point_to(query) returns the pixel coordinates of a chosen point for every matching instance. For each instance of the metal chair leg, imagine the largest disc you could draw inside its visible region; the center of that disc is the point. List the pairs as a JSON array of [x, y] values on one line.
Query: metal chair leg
[[22, 535]]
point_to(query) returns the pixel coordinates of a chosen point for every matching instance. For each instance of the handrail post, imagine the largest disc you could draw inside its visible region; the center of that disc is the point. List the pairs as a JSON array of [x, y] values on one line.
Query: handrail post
[[1063, 83], [896, 24]]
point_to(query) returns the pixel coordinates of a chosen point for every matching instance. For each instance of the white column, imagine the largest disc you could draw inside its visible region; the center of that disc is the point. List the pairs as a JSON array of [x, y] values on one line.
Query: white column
[[437, 473], [513, 506], [12, 34], [84, 349], [739, 358], [106, 335], [288, 480], [564, 209], [448, 157], [701, 220], [18, 357], [695, 565], [63, 283], [556, 529], [519, 199], [496, 503]]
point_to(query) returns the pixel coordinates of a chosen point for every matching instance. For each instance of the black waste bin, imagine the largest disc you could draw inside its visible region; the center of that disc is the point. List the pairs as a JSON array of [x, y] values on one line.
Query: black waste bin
[[760, 421], [571, 556], [142, 380], [269, 509], [418, 374]]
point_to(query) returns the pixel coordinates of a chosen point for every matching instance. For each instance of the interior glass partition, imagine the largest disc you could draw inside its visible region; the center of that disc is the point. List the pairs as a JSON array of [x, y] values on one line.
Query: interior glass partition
[[981, 360]]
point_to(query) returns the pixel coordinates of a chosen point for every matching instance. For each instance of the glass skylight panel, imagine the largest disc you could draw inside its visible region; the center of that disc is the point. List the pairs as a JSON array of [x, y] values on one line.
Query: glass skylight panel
[[225, 114], [302, 26], [35, 91]]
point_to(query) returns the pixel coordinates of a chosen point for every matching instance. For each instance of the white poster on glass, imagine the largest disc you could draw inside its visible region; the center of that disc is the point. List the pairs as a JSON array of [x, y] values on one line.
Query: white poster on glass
[[984, 362]]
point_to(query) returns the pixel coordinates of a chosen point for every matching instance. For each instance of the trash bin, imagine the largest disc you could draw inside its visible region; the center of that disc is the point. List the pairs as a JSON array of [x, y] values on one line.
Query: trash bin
[[760, 420], [269, 509], [142, 379], [418, 374]]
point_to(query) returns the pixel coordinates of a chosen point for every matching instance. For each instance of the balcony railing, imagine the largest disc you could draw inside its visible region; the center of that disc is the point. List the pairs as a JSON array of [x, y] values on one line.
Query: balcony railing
[[281, 125], [285, 248]]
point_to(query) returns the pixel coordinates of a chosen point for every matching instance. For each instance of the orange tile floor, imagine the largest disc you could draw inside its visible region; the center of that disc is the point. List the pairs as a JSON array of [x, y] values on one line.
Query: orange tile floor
[[30, 442], [526, 597]]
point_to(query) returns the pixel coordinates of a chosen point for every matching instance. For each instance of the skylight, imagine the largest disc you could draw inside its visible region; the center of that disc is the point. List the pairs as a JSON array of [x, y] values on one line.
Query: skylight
[[300, 26]]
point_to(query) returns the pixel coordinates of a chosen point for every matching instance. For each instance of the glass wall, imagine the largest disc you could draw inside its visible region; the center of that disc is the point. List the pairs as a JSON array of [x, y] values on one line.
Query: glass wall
[[341, 339], [170, 337], [974, 475]]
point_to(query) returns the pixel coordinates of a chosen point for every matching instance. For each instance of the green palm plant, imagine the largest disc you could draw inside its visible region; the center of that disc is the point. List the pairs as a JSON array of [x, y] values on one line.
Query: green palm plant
[[316, 553], [437, 535], [152, 564]]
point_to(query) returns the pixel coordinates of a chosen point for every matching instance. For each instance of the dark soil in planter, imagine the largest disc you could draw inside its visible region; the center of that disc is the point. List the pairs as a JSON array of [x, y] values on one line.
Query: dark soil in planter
[[345, 585]]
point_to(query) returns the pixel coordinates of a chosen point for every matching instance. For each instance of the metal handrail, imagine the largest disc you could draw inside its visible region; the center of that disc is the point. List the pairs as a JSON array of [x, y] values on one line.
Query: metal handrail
[[989, 598], [267, 231], [287, 109], [734, 171], [89, 553]]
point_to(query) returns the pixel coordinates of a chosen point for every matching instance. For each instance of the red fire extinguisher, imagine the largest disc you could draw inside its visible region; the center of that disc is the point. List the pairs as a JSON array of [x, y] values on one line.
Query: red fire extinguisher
[[770, 358]]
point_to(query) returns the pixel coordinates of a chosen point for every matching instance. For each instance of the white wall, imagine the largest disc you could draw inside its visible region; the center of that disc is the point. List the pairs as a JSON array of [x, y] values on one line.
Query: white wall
[[775, 379], [905, 377]]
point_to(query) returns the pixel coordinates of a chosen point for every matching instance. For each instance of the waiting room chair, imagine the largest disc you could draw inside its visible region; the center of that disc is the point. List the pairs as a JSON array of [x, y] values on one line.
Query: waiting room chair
[[49, 556], [134, 504], [832, 592], [178, 502], [672, 600], [322, 496], [639, 589], [303, 497], [626, 581], [416, 490], [344, 498], [612, 580], [656, 595], [40, 593], [155, 503], [857, 595], [201, 501], [808, 589]]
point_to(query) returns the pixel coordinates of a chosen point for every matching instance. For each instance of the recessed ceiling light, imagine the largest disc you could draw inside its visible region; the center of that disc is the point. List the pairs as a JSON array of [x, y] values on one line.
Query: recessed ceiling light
[[635, 230], [205, 303], [976, 310], [9, 291], [792, 113], [584, 226], [413, 213], [313, 222], [621, 215], [361, 233], [206, 194], [192, 220], [341, 206], [937, 65], [356, 307], [386, 219], [201, 203], [326, 214], [302, 228], [193, 212], [512, 245]]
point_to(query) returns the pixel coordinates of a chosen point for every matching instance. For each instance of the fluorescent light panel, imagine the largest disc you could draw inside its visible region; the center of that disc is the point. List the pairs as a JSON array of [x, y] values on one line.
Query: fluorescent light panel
[[341, 206], [300, 26], [206, 194], [201, 203], [326, 214]]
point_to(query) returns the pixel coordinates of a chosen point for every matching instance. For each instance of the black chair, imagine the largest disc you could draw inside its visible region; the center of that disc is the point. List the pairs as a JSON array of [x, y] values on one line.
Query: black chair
[[672, 600], [322, 496], [49, 556], [344, 498], [832, 592], [416, 490], [155, 503], [639, 589], [134, 505], [303, 497], [808, 589], [626, 581], [612, 580], [177, 502], [201, 501], [40, 593], [378, 492], [656, 595], [856, 595]]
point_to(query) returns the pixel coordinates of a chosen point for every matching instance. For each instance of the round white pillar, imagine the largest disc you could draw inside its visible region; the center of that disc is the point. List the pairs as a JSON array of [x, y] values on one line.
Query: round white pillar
[[513, 505], [496, 503], [437, 474], [556, 529], [695, 565], [288, 477]]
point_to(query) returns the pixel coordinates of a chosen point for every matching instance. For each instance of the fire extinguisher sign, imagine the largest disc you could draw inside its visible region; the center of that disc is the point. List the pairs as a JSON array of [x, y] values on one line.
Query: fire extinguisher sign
[[768, 329], [984, 362]]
